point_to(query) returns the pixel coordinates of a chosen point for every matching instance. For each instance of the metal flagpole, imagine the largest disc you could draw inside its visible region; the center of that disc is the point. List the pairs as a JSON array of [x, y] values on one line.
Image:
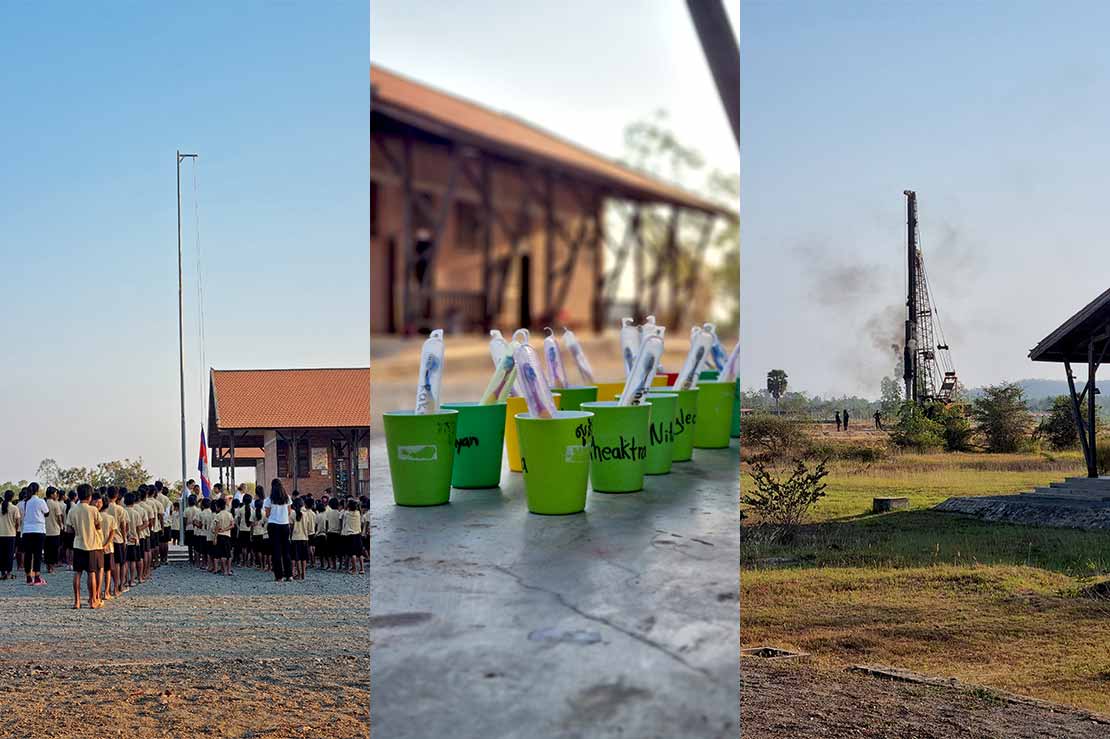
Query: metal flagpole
[[181, 351]]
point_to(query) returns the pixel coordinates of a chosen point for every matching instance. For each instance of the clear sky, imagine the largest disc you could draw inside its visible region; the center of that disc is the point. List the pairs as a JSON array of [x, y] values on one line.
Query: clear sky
[[96, 99], [995, 113], [581, 69]]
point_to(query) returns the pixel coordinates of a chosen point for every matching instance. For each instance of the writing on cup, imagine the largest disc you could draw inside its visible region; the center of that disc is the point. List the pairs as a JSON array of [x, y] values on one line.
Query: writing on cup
[[662, 433], [584, 431], [684, 420], [466, 443], [624, 449]]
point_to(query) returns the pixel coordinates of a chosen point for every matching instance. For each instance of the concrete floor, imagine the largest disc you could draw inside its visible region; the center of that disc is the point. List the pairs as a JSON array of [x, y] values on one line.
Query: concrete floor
[[488, 621]]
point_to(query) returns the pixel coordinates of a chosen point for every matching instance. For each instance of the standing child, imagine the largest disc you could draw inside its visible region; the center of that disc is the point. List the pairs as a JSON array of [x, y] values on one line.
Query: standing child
[[9, 527], [299, 539], [352, 534], [222, 523], [84, 519]]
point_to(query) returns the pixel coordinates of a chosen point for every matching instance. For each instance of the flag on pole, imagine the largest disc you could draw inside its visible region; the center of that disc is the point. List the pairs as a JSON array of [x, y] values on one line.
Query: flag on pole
[[202, 466]]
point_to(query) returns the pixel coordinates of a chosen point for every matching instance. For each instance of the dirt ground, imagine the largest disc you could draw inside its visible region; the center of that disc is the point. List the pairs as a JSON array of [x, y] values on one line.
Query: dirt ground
[[792, 699], [188, 655]]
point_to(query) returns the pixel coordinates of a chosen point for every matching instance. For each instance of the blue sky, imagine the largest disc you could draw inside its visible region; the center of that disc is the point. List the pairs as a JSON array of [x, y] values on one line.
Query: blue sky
[[995, 113], [274, 98]]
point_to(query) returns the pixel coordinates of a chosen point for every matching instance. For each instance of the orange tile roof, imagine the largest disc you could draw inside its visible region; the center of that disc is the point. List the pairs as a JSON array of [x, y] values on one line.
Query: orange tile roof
[[291, 398], [241, 452], [447, 114]]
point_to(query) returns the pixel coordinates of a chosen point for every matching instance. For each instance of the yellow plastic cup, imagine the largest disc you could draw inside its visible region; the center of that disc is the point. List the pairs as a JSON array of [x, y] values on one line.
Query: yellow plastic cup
[[609, 390], [515, 405]]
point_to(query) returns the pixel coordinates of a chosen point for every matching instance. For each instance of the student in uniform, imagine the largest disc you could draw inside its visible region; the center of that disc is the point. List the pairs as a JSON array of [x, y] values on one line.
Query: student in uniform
[[163, 529], [244, 526], [352, 534], [332, 527], [131, 540], [54, 522], [208, 516], [310, 527], [67, 536], [33, 533], [119, 537], [320, 540], [107, 535], [190, 538], [9, 527], [277, 526], [174, 524], [299, 538], [222, 523], [258, 538], [84, 519]]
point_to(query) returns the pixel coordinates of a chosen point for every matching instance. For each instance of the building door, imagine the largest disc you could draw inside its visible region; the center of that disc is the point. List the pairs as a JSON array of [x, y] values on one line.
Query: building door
[[525, 291]]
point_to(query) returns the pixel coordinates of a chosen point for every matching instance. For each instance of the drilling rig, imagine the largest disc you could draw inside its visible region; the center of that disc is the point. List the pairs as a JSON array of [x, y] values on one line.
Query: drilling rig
[[927, 364]]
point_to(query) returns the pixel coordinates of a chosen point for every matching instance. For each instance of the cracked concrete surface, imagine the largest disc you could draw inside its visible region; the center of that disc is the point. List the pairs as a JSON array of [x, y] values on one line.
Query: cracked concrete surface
[[459, 589]]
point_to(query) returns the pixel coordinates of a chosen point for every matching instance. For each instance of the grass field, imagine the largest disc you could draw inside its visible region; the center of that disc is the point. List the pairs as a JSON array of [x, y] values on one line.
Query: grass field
[[992, 604]]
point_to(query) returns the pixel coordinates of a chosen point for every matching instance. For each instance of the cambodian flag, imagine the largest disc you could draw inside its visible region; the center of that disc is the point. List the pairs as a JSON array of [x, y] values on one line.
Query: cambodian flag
[[202, 466]]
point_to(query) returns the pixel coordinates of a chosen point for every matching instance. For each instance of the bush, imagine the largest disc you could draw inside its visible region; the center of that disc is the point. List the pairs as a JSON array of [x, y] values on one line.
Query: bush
[[916, 431], [786, 502], [846, 451], [769, 436], [1102, 456], [955, 427], [1003, 418], [1058, 427]]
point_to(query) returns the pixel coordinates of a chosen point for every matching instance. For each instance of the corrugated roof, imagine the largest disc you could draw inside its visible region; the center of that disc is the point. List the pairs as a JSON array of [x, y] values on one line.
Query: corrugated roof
[[454, 117], [291, 398]]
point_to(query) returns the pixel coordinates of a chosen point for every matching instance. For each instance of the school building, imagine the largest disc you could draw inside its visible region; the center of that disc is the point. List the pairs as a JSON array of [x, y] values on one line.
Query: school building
[[309, 428], [479, 219]]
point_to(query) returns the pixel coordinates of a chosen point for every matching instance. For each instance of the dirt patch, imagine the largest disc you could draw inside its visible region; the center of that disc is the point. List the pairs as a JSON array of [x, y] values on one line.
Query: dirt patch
[[792, 699], [189, 655]]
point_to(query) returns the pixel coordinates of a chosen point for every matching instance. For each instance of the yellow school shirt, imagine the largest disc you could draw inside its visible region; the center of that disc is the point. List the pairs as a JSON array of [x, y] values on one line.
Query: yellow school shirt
[[85, 520], [107, 529], [352, 522], [53, 513], [9, 524], [300, 528], [118, 512], [222, 523]]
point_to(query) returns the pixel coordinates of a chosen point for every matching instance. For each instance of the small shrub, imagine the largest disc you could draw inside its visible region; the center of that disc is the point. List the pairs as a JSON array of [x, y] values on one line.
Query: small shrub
[[956, 430], [915, 431], [1102, 456], [1058, 427], [1003, 419], [846, 451], [786, 501], [770, 436]]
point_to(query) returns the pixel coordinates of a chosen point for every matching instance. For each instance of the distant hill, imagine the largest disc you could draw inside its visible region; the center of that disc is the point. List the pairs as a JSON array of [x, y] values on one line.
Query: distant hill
[[1039, 389]]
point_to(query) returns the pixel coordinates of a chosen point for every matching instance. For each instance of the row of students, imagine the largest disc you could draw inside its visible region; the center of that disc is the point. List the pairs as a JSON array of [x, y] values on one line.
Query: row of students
[[279, 532]]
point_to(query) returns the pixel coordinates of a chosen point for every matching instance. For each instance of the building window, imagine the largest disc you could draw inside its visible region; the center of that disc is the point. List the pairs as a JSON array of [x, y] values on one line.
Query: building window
[[285, 464], [304, 460], [468, 226], [283, 460]]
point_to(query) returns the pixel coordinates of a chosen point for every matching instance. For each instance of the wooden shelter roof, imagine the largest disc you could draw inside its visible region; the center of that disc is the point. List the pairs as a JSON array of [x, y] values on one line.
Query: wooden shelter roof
[[1069, 341]]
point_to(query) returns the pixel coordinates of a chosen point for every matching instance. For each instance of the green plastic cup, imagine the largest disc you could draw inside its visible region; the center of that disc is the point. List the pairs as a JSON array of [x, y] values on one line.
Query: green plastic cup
[[574, 397], [620, 444], [421, 450], [685, 421], [715, 400], [556, 461], [660, 433], [514, 406], [479, 440], [734, 432]]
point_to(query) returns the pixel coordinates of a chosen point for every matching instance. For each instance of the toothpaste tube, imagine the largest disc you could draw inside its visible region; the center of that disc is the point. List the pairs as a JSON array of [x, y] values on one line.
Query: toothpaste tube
[[553, 358], [700, 341], [630, 344], [431, 373], [579, 355], [732, 365], [643, 370], [537, 394]]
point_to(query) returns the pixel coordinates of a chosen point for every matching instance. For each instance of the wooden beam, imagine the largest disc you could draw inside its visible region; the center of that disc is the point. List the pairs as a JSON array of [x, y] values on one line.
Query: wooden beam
[[1079, 425]]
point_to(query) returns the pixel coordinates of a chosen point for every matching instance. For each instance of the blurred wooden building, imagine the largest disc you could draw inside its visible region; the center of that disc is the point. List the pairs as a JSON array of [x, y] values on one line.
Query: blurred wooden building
[[479, 219]]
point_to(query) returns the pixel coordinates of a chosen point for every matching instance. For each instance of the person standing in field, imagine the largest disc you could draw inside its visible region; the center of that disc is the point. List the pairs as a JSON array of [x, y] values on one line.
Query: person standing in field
[[131, 539], [838, 420], [845, 419], [222, 524], [320, 537], [879, 420], [9, 527], [107, 537], [163, 502], [299, 539], [119, 540], [55, 520], [35, 512], [333, 525], [352, 534], [84, 519], [277, 517]]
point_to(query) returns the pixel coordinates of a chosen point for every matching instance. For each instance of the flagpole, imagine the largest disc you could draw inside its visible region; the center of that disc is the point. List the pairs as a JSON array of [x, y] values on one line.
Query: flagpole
[[181, 352]]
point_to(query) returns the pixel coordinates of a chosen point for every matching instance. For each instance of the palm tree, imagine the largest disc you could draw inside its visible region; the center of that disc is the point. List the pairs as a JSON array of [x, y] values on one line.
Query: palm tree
[[776, 385]]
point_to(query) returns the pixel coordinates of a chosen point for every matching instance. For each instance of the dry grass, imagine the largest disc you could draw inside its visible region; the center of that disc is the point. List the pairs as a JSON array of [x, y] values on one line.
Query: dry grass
[[992, 604]]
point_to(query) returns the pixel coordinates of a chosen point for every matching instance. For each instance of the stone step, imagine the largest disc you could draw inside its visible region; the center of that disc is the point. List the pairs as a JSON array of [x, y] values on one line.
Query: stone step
[[1086, 482]]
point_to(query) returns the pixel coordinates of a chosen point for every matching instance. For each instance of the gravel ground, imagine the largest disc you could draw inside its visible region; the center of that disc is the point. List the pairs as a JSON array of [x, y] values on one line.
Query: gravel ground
[[783, 699], [188, 654]]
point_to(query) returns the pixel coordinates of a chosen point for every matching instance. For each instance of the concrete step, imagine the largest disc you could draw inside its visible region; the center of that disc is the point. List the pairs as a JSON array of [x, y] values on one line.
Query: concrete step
[[1102, 483]]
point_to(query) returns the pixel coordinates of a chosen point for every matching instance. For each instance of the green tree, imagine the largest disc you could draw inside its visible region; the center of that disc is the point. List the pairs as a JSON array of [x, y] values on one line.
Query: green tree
[[955, 427], [776, 384], [1002, 417], [891, 398], [786, 501], [1058, 427], [915, 430]]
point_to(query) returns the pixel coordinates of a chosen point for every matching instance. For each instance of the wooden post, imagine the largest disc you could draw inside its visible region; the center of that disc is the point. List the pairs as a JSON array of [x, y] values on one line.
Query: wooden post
[[487, 242], [1079, 425], [232, 473], [547, 314], [407, 246], [1092, 368]]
